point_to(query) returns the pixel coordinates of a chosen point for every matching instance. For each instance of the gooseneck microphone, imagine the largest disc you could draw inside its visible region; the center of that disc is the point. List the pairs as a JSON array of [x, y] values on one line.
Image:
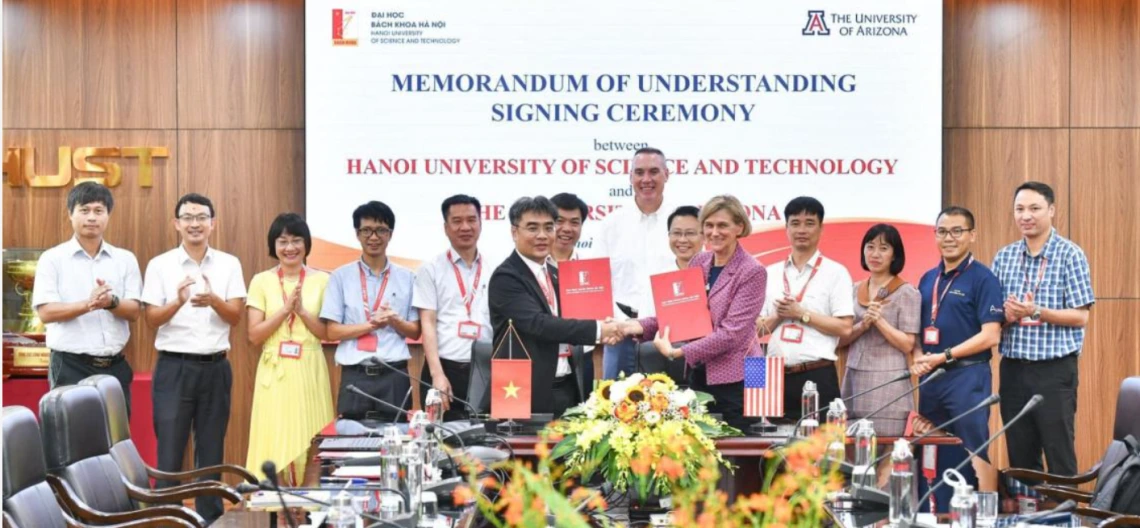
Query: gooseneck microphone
[[992, 399], [355, 390], [822, 407], [933, 376], [270, 470], [470, 408]]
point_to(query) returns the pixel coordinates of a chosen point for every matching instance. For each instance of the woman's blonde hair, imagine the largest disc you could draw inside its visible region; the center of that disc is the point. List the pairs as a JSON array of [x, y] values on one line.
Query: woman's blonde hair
[[728, 203]]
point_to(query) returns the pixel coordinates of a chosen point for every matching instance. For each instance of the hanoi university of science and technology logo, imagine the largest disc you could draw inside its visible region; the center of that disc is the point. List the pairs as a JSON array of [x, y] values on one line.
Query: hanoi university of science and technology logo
[[343, 27], [816, 25]]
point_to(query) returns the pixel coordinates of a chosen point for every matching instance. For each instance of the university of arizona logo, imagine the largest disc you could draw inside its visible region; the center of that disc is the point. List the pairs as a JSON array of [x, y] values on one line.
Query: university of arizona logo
[[815, 24]]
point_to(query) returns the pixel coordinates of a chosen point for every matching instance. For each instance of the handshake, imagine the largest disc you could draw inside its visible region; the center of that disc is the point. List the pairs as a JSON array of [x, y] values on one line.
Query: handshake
[[614, 332]]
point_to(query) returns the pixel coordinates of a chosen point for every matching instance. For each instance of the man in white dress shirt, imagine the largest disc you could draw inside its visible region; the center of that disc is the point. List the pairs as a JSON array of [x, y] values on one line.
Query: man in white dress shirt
[[193, 294], [87, 294], [451, 296], [635, 239]]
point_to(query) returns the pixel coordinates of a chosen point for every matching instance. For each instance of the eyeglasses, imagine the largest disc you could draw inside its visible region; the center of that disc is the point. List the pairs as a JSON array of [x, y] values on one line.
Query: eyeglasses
[[684, 234], [367, 232], [194, 219], [954, 233], [534, 229]]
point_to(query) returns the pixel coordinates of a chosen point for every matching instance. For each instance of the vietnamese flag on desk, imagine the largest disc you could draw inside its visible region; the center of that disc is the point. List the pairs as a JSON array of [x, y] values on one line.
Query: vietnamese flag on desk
[[510, 380], [682, 304], [585, 289]]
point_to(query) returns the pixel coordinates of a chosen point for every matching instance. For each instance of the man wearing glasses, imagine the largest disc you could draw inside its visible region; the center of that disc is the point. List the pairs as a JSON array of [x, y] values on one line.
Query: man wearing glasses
[[961, 321], [193, 295], [368, 305]]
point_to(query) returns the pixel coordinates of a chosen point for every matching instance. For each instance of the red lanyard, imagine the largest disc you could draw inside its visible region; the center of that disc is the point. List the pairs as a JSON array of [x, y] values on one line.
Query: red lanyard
[[936, 302], [548, 290], [364, 291], [467, 300], [788, 285], [285, 298], [1040, 274]]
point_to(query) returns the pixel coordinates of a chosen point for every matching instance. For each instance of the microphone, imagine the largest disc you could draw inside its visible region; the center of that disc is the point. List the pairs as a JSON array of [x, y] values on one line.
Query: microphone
[[898, 378], [470, 408], [992, 399], [933, 375], [353, 389], [270, 470], [1033, 402], [1034, 517]]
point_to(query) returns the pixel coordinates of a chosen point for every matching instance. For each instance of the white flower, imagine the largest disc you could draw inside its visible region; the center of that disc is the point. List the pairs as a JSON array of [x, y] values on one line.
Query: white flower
[[652, 417], [617, 391]]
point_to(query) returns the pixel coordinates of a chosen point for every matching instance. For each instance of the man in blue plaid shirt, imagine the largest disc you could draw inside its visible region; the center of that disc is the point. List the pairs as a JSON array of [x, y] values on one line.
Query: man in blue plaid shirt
[[1046, 282]]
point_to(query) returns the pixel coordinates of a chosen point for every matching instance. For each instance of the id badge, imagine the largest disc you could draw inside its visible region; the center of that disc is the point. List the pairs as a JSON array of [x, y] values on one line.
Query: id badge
[[792, 333], [1028, 321], [930, 336], [290, 349], [470, 330], [366, 342]]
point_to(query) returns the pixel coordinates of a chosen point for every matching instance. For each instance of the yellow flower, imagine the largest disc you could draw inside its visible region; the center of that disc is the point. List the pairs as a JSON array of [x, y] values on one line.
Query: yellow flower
[[635, 394]]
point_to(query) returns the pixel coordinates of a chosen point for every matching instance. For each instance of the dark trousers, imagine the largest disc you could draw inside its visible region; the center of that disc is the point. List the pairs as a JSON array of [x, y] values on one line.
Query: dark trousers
[[1049, 428], [192, 392], [459, 376], [66, 368], [378, 382], [564, 394], [826, 381], [729, 398], [949, 396]]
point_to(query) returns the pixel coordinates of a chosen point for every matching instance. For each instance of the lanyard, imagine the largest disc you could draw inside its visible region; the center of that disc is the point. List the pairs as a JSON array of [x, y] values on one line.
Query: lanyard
[[364, 291], [284, 297], [1040, 274], [548, 290], [936, 302], [468, 300], [788, 285]]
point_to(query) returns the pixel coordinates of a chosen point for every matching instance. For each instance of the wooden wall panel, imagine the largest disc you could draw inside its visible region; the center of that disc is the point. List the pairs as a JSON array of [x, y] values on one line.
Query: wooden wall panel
[[1106, 63], [251, 176], [80, 64], [37, 217], [1006, 64], [983, 167], [1111, 346], [241, 64], [1106, 165]]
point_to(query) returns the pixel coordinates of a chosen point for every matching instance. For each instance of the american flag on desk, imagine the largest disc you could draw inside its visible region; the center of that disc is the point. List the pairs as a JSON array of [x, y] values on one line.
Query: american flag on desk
[[763, 386]]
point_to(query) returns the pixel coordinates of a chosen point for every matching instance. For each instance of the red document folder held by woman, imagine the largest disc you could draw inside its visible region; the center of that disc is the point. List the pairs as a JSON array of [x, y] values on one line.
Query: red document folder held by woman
[[682, 304]]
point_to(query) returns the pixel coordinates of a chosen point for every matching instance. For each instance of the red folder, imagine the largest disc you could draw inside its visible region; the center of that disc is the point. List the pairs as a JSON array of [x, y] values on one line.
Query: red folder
[[585, 289], [682, 304]]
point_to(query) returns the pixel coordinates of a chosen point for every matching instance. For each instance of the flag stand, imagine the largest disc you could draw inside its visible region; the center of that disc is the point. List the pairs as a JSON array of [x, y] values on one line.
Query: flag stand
[[510, 427]]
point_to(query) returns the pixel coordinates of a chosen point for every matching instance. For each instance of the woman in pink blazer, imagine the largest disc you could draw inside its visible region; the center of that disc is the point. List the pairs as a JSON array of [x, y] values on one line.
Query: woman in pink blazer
[[736, 284]]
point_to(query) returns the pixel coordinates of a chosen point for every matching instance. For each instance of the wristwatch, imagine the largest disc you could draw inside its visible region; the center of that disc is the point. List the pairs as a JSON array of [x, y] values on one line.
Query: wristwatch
[[114, 302], [1036, 316], [949, 357], [805, 318]]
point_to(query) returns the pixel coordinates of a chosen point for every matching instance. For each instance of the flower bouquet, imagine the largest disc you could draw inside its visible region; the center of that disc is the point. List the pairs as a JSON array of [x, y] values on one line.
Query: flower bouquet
[[640, 433]]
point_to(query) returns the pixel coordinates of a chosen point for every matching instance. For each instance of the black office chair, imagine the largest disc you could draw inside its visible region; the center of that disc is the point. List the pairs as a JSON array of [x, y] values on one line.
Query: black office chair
[[479, 382], [28, 498], [650, 361], [135, 471], [77, 450]]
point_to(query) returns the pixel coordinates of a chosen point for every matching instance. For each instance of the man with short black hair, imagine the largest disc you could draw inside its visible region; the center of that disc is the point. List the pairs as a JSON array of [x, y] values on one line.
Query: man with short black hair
[[451, 296], [1048, 290], [194, 295], [572, 214], [87, 294], [368, 305]]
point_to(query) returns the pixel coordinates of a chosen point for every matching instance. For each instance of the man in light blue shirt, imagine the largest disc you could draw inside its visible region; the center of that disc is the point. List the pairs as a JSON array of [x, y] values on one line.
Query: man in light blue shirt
[[87, 294], [368, 305]]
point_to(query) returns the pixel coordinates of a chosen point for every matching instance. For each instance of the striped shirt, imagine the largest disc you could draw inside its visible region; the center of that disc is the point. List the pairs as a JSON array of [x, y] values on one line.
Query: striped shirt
[[1060, 278]]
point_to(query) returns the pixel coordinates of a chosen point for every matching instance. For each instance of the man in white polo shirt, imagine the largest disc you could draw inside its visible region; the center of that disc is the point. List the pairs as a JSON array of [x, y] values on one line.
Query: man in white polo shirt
[[635, 239], [87, 294], [451, 296], [808, 306], [193, 294]]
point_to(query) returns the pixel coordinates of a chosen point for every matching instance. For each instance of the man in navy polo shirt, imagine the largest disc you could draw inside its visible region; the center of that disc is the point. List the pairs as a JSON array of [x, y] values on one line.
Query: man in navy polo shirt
[[961, 317]]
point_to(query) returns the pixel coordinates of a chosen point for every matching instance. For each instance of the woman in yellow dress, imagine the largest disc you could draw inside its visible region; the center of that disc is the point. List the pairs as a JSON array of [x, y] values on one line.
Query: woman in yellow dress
[[291, 398]]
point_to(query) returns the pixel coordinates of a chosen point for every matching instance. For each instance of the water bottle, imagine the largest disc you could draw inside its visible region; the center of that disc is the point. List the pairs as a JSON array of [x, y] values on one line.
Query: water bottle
[[418, 429], [904, 492], [963, 505], [433, 404], [390, 446], [865, 444], [412, 469], [341, 513], [837, 414], [809, 409], [390, 505], [429, 510]]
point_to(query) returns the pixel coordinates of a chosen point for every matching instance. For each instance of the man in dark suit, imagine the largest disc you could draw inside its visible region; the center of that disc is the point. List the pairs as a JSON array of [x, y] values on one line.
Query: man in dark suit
[[524, 289]]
